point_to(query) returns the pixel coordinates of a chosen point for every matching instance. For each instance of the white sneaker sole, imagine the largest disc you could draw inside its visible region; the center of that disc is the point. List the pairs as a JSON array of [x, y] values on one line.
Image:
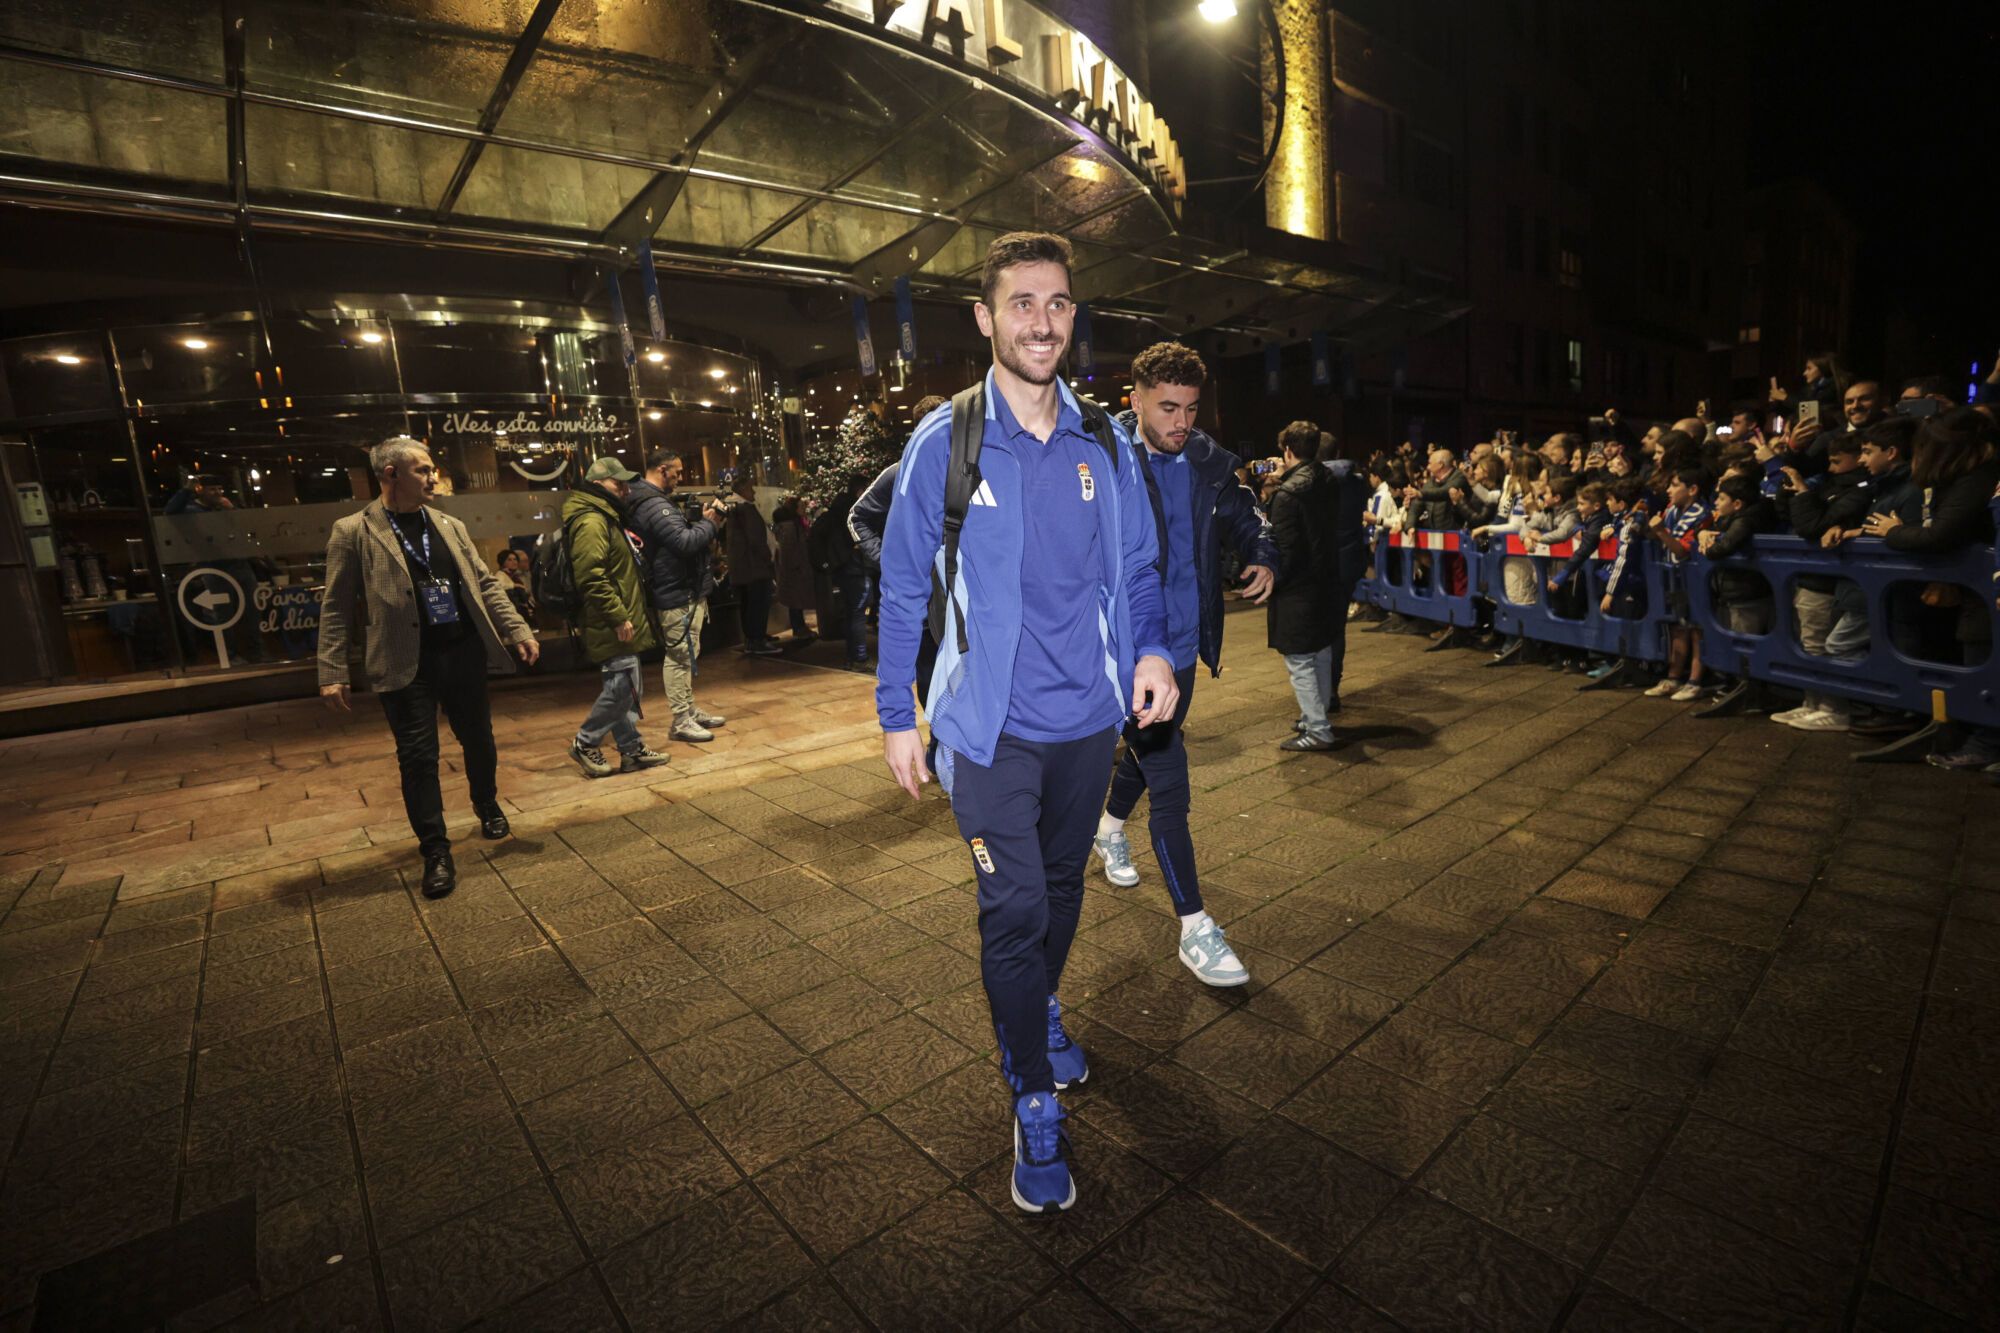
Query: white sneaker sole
[[1219, 983], [1076, 1082]]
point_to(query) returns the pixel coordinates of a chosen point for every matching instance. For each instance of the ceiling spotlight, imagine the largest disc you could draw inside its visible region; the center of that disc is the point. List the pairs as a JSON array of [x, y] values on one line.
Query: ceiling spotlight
[[717, 373], [66, 359], [1217, 11], [195, 344], [656, 357], [371, 337], [655, 415]]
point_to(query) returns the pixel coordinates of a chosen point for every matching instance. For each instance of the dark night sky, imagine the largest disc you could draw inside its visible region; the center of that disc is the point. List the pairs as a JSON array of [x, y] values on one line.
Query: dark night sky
[[1892, 109]]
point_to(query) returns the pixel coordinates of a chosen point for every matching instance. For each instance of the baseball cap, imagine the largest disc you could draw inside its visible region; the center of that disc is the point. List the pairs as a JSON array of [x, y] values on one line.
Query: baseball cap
[[608, 468]]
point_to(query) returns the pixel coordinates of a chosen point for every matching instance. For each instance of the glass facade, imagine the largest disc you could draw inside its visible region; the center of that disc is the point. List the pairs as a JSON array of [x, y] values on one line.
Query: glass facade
[[176, 483]]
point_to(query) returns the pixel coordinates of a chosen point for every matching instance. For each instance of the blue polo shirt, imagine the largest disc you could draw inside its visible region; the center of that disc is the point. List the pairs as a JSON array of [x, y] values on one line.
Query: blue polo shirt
[[1180, 590], [1060, 691]]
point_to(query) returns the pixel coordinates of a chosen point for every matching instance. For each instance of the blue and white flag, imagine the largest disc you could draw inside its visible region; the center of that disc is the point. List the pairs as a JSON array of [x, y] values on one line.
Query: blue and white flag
[[864, 344]]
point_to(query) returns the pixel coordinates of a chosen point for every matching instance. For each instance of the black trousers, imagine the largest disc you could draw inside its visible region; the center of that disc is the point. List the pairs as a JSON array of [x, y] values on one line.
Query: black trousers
[[453, 678], [1155, 759]]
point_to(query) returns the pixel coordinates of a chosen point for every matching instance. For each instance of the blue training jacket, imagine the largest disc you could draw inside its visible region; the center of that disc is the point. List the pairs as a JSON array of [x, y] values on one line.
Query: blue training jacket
[[969, 694]]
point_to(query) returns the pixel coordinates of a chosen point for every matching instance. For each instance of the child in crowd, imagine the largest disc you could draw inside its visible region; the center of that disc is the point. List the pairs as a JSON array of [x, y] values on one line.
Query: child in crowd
[[1555, 520], [1676, 529], [1624, 588], [1885, 458], [1741, 512], [1569, 581]]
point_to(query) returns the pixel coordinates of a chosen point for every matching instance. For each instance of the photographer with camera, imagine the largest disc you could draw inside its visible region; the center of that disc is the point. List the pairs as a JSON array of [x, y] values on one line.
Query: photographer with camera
[[678, 531]]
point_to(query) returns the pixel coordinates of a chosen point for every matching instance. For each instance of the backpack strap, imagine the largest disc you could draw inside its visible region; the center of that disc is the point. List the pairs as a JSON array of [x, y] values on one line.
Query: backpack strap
[[1098, 422], [961, 480]]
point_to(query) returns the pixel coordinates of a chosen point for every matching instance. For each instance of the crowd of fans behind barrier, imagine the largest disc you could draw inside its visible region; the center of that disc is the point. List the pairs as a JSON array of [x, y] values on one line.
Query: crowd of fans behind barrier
[[1832, 460]]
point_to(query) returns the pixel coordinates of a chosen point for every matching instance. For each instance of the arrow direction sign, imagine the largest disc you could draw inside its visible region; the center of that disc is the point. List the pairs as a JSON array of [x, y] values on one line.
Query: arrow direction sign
[[214, 601]]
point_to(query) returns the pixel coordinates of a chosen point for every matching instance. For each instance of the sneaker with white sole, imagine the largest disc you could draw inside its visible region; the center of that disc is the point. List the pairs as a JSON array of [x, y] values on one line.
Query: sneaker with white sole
[[1666, 689], [708, 719], [643, 757], [1065, 1056], [1115, 850], [1686, 694], [690, 730], [1042, 1182], [1791, 715], [590, 759], [1823, 720], [1208, 956]]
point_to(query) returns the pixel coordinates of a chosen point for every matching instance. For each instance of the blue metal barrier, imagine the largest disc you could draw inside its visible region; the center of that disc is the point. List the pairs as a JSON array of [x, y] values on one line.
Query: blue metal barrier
[[1395, 585], [1639, 638], [1885, 676]]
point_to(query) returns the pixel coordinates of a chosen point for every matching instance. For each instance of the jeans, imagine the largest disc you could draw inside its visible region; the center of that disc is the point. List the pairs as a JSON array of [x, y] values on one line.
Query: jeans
[[1155, 760], [616, 712], [1815, 613], [680, 628], [1848, 639], [797, 616], [856, 586], [1312, 682], [452, 677], [1029, 817], [754, 605]]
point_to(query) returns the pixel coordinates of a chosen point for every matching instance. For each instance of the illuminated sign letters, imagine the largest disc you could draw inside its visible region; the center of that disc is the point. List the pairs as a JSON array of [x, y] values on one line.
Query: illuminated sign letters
[[1019, 42]]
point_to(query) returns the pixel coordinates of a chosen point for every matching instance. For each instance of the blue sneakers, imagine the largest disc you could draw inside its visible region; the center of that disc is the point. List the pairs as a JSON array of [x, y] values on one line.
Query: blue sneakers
[[1065, 1056], [1042, 1182]]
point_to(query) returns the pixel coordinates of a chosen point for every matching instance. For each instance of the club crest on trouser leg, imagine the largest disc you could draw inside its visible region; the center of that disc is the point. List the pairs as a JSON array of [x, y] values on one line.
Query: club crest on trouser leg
[[1088, 482], [981, 855]]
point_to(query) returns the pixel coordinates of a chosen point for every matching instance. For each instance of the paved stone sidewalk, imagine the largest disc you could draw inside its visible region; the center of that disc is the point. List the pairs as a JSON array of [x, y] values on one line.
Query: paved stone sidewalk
[[1569, 1011]]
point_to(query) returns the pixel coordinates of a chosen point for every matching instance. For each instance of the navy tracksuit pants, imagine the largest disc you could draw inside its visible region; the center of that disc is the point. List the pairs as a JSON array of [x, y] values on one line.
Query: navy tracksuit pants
[[1029, 817], [1155, 760]]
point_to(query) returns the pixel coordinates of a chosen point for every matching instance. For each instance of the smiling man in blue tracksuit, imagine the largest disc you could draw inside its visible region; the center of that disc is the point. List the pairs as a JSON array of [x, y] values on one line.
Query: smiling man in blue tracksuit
[[1064, 637], [1198, 505]]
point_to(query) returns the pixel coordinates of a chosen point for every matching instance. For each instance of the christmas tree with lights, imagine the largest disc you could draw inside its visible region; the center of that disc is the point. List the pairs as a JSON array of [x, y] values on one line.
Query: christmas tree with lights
[[860, 448]]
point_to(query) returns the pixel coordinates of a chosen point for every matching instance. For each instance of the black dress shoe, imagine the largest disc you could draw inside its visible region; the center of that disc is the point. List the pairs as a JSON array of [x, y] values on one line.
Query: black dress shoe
[[440, 876], [492, 822]]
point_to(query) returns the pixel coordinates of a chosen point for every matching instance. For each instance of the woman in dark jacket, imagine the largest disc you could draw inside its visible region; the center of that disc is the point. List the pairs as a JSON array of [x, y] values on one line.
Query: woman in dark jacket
[[747, 544], [1302, 607], [794, 566], [1957, 469]]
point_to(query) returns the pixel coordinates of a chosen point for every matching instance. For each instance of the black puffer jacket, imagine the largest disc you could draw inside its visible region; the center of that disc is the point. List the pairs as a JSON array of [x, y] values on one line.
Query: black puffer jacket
[[676, 550], [1303, 522]]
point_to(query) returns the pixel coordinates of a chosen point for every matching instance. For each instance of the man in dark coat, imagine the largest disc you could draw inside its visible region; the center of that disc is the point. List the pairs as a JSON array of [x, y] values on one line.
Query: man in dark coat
[[678, 581], [1303, 615], [1198, 506], [1350, 543]]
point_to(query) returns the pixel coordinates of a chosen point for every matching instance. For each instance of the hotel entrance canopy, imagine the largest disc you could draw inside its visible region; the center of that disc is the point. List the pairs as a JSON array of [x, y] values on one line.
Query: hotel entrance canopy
[[785, 138]]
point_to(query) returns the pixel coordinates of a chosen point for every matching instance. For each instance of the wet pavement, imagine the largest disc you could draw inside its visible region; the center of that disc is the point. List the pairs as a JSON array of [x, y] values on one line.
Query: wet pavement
[[1569, 1010]]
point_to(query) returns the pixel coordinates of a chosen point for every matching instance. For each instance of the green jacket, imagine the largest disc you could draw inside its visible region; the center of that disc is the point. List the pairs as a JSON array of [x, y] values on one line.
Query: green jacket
[[607, 577]]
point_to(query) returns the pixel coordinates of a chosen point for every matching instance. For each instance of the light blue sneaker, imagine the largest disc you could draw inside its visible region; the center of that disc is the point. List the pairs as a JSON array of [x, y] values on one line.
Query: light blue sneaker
[[1065, 1056], [1115, 850], [1042, 1182], [1209, 956]]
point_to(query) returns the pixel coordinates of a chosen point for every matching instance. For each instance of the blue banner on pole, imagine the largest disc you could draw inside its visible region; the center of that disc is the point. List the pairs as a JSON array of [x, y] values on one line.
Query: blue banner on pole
[[906, 319], [1322, 361], [656, 311], [1271, 379], [618, 315], [864, 344], [1086, 350]]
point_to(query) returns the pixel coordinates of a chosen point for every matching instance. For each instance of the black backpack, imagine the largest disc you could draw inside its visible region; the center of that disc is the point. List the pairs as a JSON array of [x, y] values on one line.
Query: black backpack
[[554, 576], [961, 480]]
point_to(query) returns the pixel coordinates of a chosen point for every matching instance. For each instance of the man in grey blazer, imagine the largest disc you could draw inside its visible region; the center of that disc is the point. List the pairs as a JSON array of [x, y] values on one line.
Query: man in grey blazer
[[437, 621]]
